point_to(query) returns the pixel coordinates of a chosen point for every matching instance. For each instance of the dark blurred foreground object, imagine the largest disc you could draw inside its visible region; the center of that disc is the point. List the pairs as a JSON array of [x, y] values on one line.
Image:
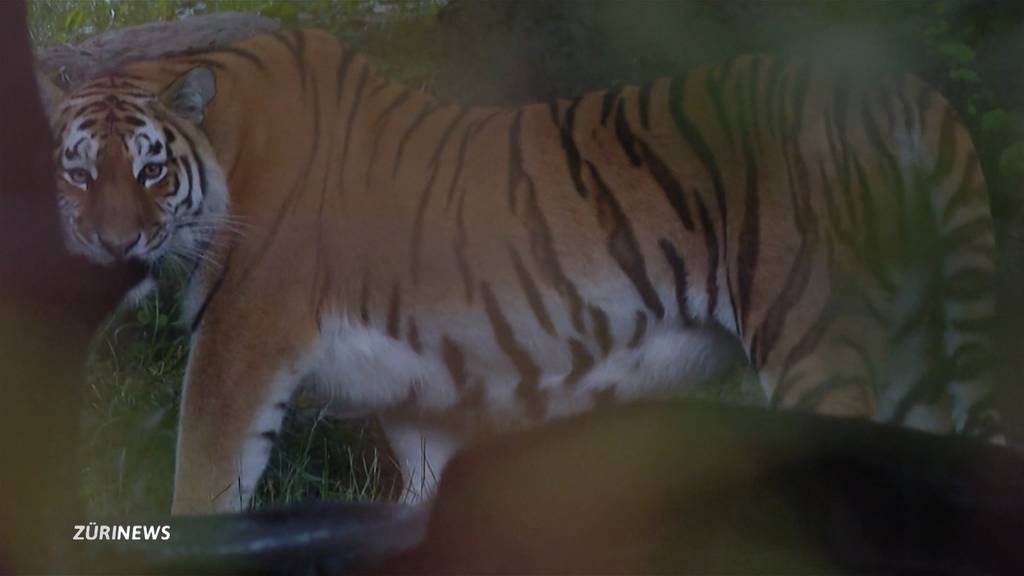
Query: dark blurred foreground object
[[50, 305], [697, 488], [669, 488]]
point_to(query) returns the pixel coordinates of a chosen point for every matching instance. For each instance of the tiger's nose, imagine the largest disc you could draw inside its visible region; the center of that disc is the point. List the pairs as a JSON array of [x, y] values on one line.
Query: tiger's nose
[[119, 247]]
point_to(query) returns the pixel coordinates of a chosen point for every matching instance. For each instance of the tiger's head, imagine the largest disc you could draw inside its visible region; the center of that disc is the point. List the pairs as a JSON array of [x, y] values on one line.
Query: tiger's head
[[136, 176]]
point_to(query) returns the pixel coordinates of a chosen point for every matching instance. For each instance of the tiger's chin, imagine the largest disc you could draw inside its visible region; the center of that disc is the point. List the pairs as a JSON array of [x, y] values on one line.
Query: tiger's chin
[[173, 247]]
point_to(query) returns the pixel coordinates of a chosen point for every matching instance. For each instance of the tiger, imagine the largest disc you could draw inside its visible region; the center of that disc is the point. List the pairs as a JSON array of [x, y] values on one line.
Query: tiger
[[458, 269]]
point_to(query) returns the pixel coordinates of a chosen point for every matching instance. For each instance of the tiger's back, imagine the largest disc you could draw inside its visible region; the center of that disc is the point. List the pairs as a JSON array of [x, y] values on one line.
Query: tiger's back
[[428, 261]]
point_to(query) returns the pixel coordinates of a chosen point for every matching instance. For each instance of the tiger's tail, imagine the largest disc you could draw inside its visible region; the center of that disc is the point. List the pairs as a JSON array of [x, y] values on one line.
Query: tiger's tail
[[953, 274]]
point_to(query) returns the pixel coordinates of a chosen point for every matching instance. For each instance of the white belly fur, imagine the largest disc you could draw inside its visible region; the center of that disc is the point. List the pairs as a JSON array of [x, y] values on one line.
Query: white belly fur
[[361, 369], [358, 369]]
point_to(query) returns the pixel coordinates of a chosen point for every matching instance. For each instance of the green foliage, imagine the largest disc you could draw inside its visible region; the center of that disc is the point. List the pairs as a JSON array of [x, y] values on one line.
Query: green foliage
[[953, 36], [1011, 161]]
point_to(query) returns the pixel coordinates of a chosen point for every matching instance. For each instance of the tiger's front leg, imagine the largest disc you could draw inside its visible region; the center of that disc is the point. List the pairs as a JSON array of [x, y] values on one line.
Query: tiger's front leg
[[235, 395], [421, 450]]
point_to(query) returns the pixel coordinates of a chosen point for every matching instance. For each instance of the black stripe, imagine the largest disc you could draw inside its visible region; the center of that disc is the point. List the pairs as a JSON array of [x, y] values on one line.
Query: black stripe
[[752, 92], [714, 82], [214, 290], [414, 335], [644, 101], [247, 55], [811, 401], [553, 110], [288, 203], [703, 152], [970, 284], [947, 146], [871, 247], [967, 233], [966, 194], [925, 390], [382, 83], [350, 122], [897, 191], [395, 311], [624, 135], [542, 250], [572, 153], [425, 194], [749, 239], [678, 266], [528, 390], [378, 129], [924, 103], [339, 82], [185, 165], [905, 111], [515, 163], [470, 131], [622, 244], [407, 135], [799, 274], [803, 76], [669, 185], [533, 296], [711, 244], [804, 347], [297, 49], [455, 361], [398, 101], [200, 166], [607, 101], [364, 298], [582, 362], [775, 74], [459, 244], [602, 329], [639, 329]]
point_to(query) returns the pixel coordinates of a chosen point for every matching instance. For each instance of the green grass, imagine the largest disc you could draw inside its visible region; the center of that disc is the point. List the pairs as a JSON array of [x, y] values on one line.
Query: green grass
[[129, 425]]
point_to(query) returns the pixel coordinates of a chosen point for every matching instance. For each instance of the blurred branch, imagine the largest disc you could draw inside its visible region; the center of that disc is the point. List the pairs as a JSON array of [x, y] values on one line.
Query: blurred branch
[[104, 53]]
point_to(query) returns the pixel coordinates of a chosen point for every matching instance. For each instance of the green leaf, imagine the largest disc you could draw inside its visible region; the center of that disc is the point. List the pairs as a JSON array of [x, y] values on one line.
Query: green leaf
[[1011, 161], [996, 122], [965, 75], [955, 52], [283, 11]]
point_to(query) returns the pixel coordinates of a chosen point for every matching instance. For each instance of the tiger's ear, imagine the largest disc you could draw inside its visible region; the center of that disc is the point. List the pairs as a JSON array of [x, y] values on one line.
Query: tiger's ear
[[188, 95], [51, 94]]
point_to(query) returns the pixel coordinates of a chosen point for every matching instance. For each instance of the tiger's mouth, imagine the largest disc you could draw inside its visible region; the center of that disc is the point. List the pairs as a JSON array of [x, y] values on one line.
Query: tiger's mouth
[[146, 247]]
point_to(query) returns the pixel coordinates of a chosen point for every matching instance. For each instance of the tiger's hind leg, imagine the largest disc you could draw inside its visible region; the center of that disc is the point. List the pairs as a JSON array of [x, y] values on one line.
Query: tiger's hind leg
[[421, 450], [830, 369]]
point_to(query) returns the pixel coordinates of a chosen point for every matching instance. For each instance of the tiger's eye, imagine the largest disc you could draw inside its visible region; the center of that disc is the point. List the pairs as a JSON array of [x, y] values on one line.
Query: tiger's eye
[[80, 176], [152, 170]]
